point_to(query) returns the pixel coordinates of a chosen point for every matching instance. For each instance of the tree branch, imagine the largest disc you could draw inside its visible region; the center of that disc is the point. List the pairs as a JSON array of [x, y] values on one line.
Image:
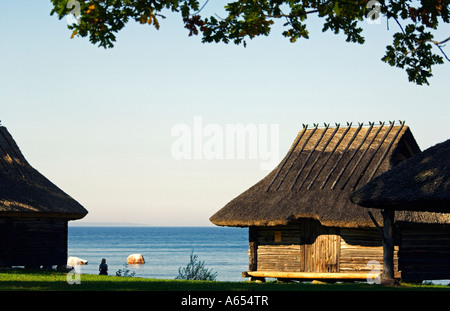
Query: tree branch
[[438, 44]]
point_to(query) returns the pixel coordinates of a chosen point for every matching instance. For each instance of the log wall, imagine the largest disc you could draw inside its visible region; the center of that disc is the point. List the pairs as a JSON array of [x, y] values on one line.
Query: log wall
[[361, 246], [33, 242], [311, 247], [425, 254]]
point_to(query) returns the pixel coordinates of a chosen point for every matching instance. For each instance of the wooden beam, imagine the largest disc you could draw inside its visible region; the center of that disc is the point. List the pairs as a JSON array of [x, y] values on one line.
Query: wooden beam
[[376, 224], [253, 248], [388, 245]]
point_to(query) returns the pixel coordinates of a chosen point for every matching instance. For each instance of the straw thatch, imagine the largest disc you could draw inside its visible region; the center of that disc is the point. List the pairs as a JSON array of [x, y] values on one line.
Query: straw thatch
[[421, 183], [318, 174], [24, 192]]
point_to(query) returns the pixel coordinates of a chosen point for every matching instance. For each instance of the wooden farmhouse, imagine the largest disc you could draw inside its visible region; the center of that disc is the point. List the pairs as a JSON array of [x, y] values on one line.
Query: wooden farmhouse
[[302, 224], [34, 213], [421, 183]]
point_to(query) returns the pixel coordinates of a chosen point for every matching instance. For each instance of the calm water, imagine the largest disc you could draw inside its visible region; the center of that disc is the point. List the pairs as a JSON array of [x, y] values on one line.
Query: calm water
[[165, 249]]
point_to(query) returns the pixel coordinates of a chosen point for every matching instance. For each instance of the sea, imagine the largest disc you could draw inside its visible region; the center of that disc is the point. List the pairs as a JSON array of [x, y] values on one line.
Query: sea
[[223, 250]]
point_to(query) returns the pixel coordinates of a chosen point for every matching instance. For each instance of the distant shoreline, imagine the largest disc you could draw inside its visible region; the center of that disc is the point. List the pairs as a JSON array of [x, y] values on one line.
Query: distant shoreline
[[119, 224]]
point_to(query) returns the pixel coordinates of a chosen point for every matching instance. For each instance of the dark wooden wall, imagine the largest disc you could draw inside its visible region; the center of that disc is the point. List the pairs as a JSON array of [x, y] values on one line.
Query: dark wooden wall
[[425, 252], [33, 242]]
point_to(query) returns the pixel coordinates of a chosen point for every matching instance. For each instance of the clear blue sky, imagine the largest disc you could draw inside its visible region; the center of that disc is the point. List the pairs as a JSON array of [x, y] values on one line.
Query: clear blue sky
[[98, 122]]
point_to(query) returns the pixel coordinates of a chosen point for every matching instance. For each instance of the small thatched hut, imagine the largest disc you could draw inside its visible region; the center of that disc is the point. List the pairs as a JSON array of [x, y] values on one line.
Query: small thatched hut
[[302, 224], [34, 213], [421, 183]]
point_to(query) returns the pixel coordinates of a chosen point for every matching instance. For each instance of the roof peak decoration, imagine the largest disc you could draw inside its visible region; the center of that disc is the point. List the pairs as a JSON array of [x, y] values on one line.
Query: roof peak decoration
[[320, 144]]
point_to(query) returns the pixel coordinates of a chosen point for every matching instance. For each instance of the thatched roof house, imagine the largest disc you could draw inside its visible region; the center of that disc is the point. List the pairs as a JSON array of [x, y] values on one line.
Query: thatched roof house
[[420, 183], [318, 174], [300, 217], [33, 211]]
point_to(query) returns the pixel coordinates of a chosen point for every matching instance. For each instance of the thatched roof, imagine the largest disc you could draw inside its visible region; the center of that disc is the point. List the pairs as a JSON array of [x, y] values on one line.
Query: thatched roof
[[318, 174], [419, 183], [24, 192]]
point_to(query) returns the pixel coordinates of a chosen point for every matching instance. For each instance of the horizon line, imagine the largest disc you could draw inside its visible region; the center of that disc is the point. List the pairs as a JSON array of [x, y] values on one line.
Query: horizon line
[[127, 224]]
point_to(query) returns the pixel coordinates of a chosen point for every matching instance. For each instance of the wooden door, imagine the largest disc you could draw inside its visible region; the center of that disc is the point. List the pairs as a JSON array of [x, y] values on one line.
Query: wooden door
[[320, 248]]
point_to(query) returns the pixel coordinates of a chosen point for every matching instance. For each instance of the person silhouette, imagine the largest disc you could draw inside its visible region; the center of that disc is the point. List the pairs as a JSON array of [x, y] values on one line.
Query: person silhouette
[[103, 268]]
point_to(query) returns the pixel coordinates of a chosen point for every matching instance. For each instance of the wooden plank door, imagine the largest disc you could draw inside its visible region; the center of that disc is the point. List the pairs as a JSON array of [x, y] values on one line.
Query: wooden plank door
[[320, 248]]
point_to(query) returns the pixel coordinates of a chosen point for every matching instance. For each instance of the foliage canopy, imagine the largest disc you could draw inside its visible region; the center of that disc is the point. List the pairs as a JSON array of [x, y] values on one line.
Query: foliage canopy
[[413, 49]]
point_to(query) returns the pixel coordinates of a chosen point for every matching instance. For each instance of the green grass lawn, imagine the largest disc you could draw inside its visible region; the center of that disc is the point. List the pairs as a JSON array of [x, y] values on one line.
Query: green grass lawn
[[39, 280]]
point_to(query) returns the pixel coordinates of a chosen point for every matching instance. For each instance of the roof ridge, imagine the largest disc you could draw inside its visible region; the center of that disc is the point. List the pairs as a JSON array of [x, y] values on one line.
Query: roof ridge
[[6, 153], [353, 124]]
